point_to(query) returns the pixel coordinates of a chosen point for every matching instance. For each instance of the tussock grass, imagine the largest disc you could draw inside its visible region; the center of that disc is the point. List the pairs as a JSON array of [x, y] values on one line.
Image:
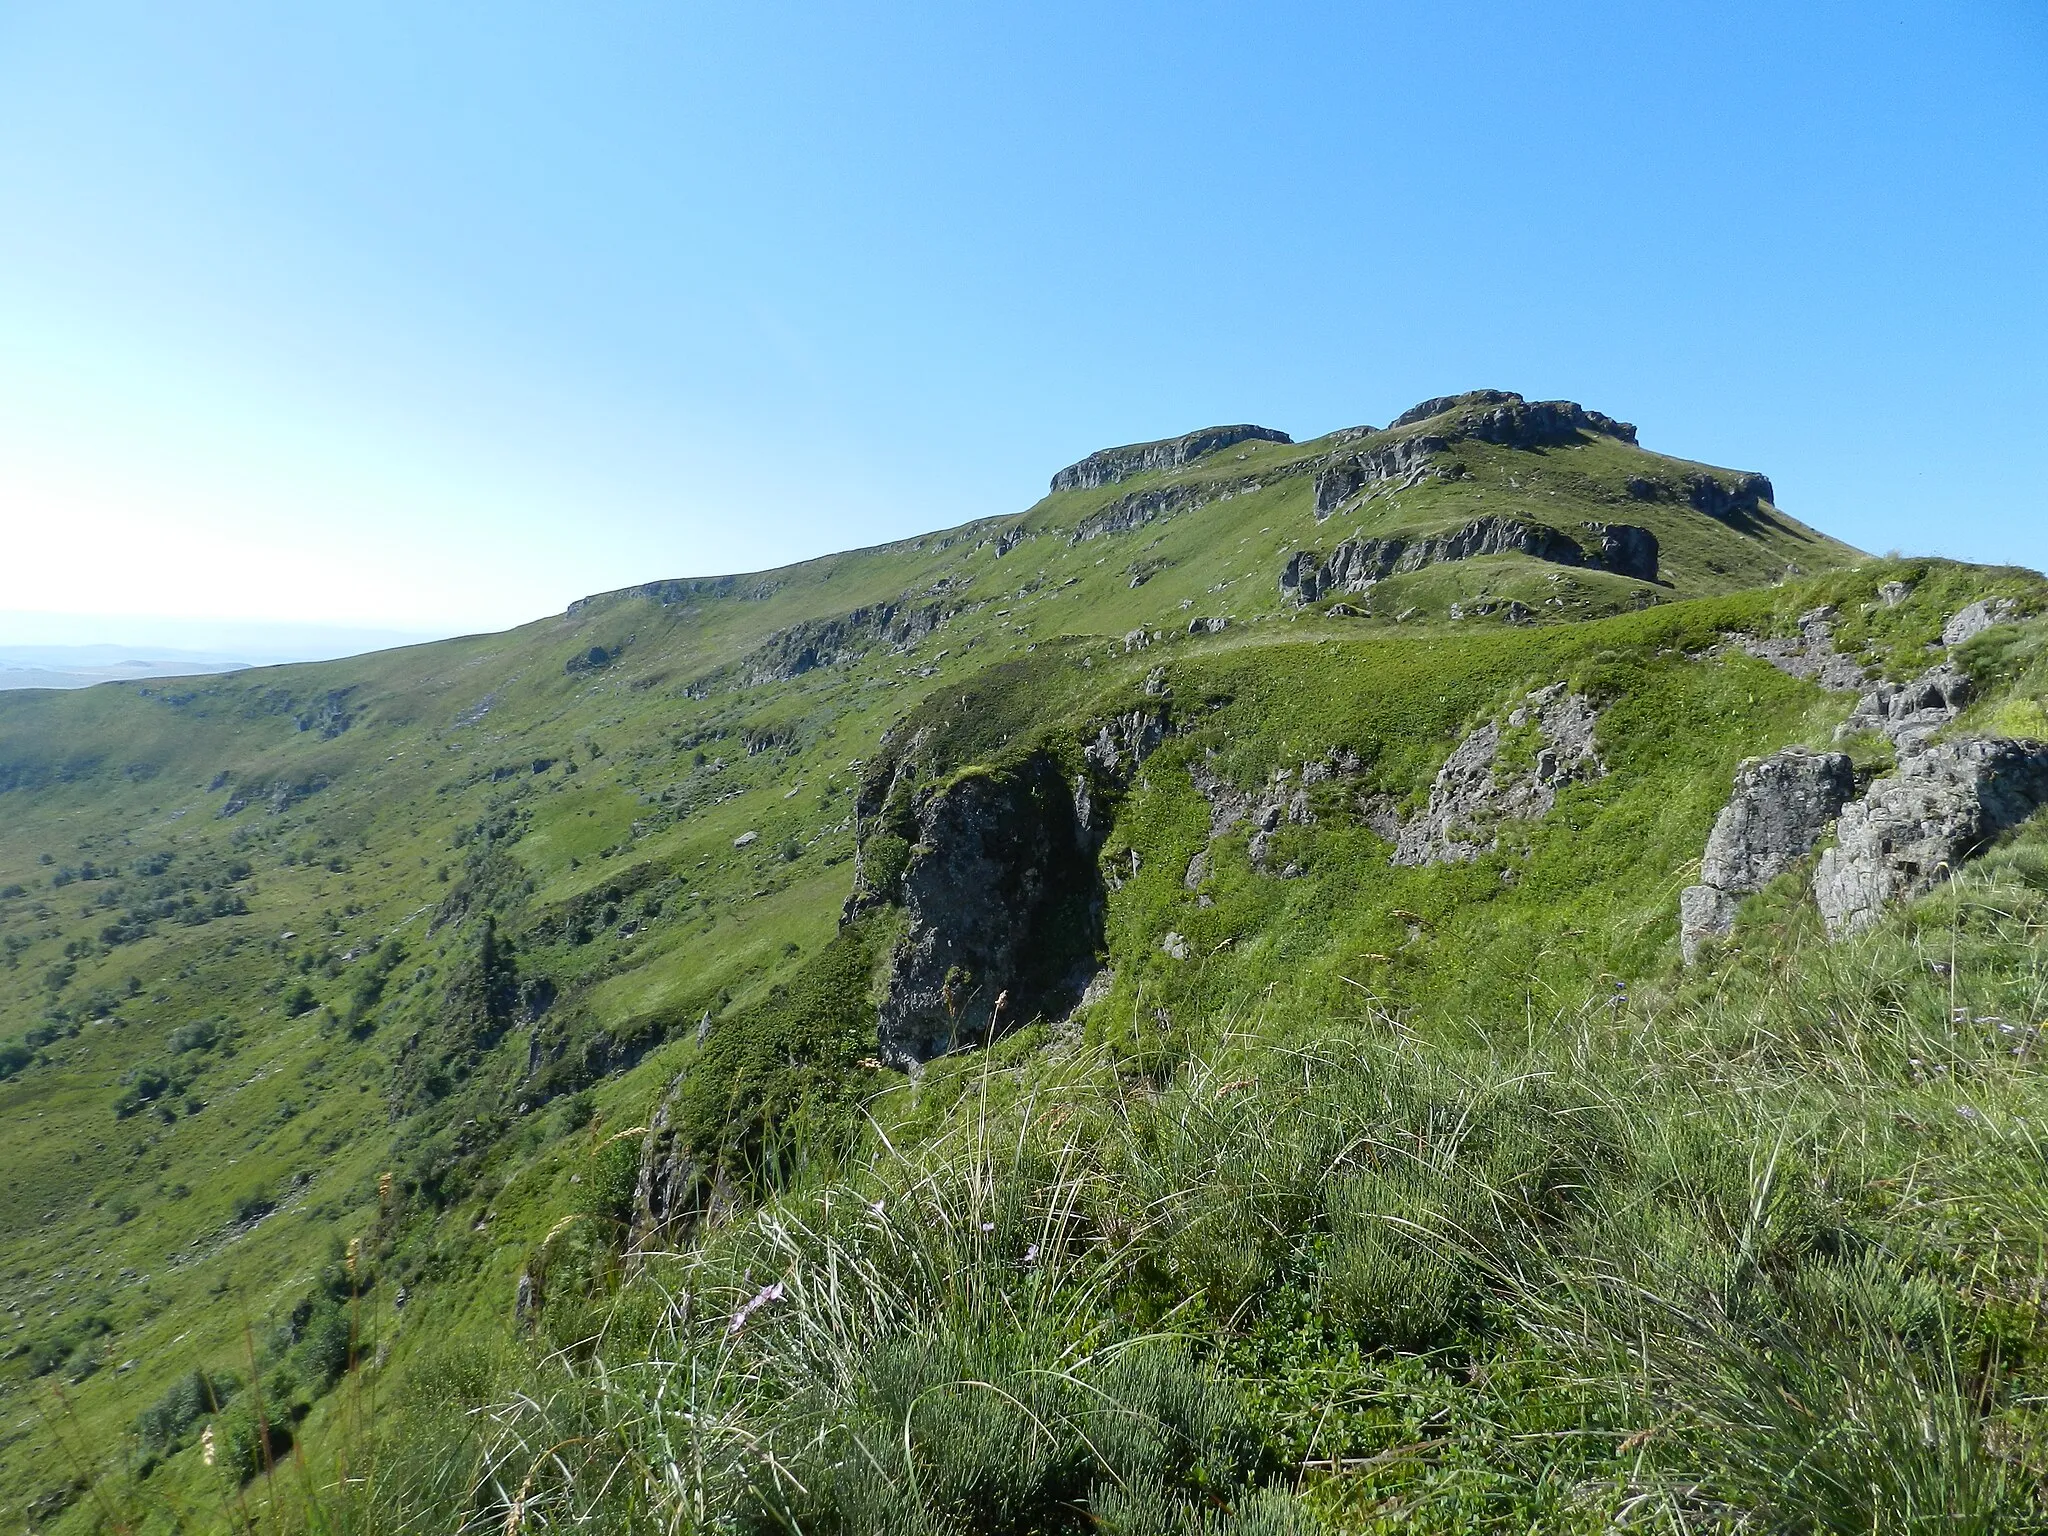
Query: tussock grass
[[1762, 1252]]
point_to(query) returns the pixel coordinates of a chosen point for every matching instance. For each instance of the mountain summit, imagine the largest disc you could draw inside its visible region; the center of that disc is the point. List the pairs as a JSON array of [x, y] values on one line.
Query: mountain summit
[[1466, 973]]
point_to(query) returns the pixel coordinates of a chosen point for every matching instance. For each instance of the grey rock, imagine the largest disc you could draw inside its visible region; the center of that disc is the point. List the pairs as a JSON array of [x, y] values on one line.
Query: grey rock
[[1626, 549], [1175, 945], [1470, 799], [1126, 740], [1121, 743], [1811, 656], [844, 637], [1004, 905], [1907, 714], [1736, 501], [1893, 593], [1781, 807], [1357, 564], [1918, 825], [1978, 617], [1283, 799], [674, 1190], [1403, 459], [1108, 465], [1501, 416], [1355, 477], [1209, 626], [1704, 912]]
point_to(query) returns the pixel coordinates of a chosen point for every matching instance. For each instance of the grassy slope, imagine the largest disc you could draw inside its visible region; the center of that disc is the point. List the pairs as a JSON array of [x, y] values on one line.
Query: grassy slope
[[303, 1113]]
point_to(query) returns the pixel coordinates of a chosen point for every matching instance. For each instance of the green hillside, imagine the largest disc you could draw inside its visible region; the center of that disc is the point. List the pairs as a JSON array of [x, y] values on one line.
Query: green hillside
[[1163, 1012]]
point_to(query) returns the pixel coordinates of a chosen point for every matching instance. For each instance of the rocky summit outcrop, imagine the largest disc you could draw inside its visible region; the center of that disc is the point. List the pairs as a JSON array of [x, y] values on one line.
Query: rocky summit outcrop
[[1106, 466], [1475, 790], [1917, 825], [1357, 564], [1781, 807], [1004, 911], [1485, 415]]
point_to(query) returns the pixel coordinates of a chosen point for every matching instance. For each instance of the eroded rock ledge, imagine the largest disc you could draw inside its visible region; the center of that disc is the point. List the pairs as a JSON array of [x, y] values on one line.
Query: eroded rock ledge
[[1106, 466], [1357, 564]]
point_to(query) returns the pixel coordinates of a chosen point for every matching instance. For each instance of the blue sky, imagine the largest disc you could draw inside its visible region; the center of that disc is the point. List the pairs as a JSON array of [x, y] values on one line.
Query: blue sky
[[429, 318]]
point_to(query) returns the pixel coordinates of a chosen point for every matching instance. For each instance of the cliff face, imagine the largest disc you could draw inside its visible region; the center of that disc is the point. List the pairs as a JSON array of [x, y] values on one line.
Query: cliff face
[[1004, 907], [1108, 465]]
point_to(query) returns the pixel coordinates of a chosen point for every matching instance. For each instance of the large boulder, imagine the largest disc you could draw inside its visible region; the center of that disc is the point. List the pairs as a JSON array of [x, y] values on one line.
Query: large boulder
[[1917, 825], [1781, 806]]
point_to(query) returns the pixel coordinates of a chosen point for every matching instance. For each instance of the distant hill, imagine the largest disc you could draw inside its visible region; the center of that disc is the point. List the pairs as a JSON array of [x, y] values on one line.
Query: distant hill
[[1400, 979], [80, 666]]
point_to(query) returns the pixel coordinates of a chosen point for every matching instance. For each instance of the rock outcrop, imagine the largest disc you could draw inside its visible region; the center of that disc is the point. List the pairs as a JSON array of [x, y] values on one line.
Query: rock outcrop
[[1728, 501], [1907, 714], [672, 1192], [816, 643], [1400, 461], [1357, 564], [1474, 792], [1811, 655], [1917, 825], [1484, 415], [1782, 806], [1284, 797], [1004, 909], [1120, 745], [1978, 617], [1108, 465]]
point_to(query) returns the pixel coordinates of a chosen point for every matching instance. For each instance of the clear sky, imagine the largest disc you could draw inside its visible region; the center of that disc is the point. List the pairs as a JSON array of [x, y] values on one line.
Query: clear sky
[[435, 317]]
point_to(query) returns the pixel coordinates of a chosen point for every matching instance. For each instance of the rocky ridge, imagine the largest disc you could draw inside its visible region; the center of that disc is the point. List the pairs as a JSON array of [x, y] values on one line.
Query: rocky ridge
[[1348, 480], [1106, 466]]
